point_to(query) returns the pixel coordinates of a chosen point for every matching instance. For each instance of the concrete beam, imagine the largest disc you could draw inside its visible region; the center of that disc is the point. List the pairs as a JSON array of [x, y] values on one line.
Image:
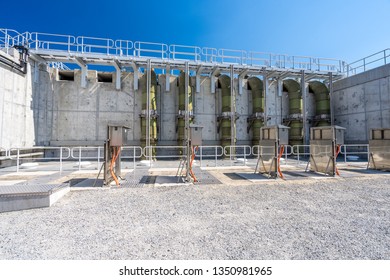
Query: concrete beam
[[265, 88], [136, 74], [80, 62], [197, 78], [241, 77], [167, 78], [213, 77], [118, 68]]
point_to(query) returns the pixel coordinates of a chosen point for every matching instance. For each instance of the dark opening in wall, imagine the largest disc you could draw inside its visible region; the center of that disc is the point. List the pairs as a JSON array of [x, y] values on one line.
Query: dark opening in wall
[[104, 77], [66, 75]]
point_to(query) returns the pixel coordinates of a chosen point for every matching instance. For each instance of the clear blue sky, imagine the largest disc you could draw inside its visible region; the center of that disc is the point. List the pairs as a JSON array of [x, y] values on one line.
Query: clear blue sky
[[347, 30]]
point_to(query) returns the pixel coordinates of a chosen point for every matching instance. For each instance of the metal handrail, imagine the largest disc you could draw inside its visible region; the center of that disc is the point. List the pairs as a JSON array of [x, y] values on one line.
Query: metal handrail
[[124, 47], [17, 156], [344, 150], [84, 44], [363, 64], [46, 40], [181, 52], [175, 148], [150, 48], [95, 45], [232, 56]]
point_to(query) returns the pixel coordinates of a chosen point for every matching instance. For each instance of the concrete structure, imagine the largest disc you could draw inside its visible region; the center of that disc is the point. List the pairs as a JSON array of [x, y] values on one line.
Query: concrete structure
[[362, 102], [23, 197], [56, 106]]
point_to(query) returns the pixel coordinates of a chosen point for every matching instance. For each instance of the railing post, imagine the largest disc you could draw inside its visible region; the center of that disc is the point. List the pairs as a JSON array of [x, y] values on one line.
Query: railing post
[[285, 161], [384, 56], [17, 160], [134, 166], [244, 155], [215, 156], [297, 153], [201, 154], [79, 158], [98, 158], [345, 153], [60, 160]]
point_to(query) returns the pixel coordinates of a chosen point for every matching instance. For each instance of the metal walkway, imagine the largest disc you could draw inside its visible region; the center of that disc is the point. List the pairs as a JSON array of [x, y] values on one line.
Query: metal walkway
[[55, 50]]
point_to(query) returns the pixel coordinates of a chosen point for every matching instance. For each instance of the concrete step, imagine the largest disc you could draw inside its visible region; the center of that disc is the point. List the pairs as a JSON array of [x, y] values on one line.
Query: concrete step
[[23, 197]]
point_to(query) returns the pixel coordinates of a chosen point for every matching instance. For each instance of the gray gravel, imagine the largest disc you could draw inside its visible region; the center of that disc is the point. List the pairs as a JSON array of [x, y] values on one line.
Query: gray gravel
[[323, 219]]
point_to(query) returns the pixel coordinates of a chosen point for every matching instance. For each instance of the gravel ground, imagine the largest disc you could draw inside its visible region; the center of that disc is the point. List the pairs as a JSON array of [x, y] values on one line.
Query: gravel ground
[[320, 219]]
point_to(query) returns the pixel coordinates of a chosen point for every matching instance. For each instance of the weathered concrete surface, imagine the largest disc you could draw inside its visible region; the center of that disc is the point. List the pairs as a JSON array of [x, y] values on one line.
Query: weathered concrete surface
[[362, 102], [16, 108]]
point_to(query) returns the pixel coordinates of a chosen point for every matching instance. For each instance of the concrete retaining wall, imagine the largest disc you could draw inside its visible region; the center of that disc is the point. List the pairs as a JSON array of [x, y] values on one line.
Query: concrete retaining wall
[[362, 102], [16, 108]]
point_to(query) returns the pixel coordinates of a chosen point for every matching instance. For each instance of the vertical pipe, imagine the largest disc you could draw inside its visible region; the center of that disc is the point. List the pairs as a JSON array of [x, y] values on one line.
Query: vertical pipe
[[98, 157], [148, 83], [17, 160], [265, 94], [79, 158], [232, 113], [331, 99], [187, 122], [61, 160], [304, 111]]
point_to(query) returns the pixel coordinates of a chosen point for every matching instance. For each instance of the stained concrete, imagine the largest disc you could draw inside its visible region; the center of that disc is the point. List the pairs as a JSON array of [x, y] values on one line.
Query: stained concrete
[[39, 109], [362, 102], [16, 108]]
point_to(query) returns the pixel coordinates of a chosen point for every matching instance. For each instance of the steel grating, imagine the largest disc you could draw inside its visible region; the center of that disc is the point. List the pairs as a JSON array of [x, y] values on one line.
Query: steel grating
[[19, 190]]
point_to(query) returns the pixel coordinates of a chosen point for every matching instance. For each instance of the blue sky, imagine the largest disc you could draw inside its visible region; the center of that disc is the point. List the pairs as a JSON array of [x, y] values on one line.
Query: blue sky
[[347, 30]]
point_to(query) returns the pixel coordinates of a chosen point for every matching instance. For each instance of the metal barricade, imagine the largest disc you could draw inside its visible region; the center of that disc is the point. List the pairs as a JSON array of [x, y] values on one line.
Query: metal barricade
[[209, 152], [352, 152], [39, 154], [238, 151], [301, 150]]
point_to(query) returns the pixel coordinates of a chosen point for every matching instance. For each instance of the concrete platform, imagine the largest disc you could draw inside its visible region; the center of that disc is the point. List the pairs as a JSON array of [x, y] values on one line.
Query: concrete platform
[[23, 197]]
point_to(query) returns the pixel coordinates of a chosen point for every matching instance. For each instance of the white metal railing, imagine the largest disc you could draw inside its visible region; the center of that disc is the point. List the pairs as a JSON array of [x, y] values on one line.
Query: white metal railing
[[210, 152], [52, 42], [354, 150], [165, 151], [95, 45], [39, 153], [124, 47], [232, 56], [369, 62], [180, 52], [83, 44], [147, 49], [215, 153]]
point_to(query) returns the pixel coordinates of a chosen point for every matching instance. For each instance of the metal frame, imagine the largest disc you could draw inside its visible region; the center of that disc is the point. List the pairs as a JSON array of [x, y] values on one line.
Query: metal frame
[[84, 50]]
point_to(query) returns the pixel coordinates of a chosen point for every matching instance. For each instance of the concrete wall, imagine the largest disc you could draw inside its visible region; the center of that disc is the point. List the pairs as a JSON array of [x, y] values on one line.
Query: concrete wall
[[362, 102], [16, 108]]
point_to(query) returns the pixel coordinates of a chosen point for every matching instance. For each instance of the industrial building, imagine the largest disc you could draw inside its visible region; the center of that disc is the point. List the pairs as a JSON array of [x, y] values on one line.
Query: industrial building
[[63, 91]]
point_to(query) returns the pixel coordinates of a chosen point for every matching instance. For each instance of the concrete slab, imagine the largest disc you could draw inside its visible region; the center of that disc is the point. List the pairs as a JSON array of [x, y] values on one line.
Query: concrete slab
[[23, 197]]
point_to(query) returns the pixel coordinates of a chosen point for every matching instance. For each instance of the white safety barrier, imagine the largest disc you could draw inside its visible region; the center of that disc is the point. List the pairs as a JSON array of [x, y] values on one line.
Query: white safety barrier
[[39, 153]]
